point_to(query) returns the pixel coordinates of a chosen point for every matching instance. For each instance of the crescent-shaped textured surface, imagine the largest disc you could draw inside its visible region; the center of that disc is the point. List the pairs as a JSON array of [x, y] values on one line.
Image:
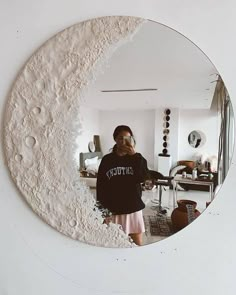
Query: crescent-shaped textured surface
[[42, 121]]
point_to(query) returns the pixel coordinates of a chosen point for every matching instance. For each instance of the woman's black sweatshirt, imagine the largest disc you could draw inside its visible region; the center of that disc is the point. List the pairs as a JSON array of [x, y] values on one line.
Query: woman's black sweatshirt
[[119, 182]]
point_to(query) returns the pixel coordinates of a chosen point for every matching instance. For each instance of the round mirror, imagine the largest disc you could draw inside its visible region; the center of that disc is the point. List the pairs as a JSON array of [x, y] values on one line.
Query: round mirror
[[107, 82], [196, 139]]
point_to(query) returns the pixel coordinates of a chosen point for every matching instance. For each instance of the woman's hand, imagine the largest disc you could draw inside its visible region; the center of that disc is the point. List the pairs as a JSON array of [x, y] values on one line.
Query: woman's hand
[[127, 149]]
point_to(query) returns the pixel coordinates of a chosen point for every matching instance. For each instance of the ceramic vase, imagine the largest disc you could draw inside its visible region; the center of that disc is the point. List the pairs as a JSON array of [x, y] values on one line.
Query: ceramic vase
[[185, 213]]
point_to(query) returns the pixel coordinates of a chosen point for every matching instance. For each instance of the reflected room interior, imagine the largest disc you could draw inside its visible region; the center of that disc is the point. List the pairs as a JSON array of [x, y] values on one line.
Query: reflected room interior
[[172, 97]]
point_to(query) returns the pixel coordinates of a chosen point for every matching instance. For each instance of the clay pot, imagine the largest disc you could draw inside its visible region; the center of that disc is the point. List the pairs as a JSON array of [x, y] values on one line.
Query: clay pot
[[179, 215]]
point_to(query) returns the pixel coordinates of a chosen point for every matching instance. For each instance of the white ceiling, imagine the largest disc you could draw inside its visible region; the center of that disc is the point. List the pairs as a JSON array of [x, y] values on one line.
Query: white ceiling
[[157, 57]]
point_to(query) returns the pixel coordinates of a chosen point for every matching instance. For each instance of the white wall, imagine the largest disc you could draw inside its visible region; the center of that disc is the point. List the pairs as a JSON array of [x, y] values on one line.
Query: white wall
[[147, 126], [142, 123], [34, 258], [206, 121], [90, 121]]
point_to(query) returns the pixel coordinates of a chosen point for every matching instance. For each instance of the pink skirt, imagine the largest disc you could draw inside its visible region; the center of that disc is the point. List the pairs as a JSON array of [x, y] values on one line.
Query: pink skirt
[[131, 223]]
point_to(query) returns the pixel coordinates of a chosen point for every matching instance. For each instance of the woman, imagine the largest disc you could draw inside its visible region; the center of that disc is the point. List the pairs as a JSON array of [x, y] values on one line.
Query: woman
[[119, 181]]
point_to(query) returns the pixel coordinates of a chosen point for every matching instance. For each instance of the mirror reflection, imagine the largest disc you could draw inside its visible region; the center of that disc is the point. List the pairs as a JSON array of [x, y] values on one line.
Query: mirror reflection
[[142, 115], [196, 139]]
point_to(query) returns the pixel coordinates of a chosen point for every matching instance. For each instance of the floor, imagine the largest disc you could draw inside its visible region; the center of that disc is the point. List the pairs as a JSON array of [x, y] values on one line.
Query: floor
[[150, 199]]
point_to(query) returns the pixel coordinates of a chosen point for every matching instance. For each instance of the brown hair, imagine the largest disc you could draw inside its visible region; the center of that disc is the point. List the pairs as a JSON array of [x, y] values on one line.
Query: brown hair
[[118, 130]]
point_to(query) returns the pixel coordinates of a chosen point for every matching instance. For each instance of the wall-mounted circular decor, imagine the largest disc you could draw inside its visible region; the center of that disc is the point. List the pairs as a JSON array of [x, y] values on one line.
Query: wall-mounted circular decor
[[165, 144], [167, 118], [167, 112], [165, 151], [166, 124], [166, 131], [79, 84], [196, 139]]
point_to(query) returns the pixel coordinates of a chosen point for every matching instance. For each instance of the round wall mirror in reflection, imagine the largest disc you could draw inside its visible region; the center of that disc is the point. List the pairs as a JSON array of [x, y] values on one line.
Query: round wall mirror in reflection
[[196, 139], [109, 84]]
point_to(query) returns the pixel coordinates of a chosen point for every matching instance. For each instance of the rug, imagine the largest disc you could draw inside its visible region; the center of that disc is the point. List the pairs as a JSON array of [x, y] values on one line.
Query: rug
[[158, 225]]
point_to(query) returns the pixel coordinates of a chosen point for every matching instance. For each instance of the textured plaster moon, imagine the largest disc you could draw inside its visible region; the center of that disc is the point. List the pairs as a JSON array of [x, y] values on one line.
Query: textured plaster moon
[[42, 121]]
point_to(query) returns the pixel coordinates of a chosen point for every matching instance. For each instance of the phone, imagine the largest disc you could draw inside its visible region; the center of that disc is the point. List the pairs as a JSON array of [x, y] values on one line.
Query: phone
[[129, 139]]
